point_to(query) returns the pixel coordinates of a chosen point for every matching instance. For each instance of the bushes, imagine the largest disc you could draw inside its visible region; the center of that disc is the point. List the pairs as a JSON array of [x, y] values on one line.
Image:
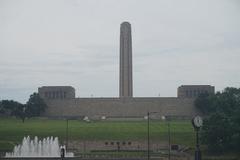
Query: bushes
[[221, 130], [35, 106]]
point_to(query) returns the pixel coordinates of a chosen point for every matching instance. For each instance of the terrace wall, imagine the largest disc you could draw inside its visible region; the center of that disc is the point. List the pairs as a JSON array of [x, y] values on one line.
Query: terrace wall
[[96, 108]]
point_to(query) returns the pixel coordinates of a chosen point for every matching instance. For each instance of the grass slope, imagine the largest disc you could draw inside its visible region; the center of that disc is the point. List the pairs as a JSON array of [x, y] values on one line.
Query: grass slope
[[13, 130]]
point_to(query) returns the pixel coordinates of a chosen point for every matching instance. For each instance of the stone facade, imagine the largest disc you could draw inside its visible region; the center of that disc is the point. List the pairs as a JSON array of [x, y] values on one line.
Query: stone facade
[[96, 108], [126, 84], [193, 91], [56, 92]]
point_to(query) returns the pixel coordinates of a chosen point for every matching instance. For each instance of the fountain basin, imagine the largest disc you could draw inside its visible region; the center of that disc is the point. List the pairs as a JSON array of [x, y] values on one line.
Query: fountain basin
[[47, 147]]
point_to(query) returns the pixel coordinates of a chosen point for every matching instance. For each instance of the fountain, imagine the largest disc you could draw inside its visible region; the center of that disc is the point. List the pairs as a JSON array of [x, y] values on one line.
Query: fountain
[[48, 147]]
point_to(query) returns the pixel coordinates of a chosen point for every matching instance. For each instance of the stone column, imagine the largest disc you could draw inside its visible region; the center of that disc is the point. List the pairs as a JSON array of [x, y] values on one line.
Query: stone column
[[125, 84]]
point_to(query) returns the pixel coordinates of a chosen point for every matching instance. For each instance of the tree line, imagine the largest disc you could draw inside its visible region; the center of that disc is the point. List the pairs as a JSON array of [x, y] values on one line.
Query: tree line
[[35, 106], [221, 125]]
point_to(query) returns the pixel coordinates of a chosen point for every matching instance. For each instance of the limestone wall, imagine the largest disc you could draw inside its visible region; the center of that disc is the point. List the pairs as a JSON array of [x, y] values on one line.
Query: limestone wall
[[107, 145], [121, 107], [56, 92], [193, 91]]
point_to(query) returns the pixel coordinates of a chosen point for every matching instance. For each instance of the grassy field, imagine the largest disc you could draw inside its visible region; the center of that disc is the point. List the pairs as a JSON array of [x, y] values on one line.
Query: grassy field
[[13, 130]]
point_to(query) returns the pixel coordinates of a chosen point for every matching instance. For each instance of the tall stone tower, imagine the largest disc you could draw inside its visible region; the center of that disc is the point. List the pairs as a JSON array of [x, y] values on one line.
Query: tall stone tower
[[126, 82]]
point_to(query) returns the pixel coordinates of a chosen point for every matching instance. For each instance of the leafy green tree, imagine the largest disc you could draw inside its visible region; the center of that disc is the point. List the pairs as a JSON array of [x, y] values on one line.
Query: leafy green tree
[[203, 103], [236, 126], [12, 108], [228, 101], [2, 111], [35, 106], [221, 130], [20, 112], [8, 107], [217, 132]]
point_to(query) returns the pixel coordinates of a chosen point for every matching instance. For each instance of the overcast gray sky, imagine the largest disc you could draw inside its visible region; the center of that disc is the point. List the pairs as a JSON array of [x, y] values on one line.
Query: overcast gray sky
[[76, 42]]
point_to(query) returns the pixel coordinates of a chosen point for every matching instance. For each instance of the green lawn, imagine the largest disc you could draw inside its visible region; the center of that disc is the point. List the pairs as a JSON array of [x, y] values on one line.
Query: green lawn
[[13, 130]]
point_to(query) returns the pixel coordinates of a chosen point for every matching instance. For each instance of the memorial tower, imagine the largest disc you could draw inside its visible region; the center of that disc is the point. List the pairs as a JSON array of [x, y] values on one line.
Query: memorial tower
[[125, 82]]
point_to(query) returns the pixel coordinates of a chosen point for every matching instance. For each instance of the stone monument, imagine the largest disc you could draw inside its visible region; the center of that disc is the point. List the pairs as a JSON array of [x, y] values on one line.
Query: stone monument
[[62, 103], [125, 82]]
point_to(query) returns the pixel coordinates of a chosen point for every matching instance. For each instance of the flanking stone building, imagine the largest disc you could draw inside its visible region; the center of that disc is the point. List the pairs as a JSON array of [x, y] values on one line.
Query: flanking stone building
[[56, 92], [62, 103], [193, 91]]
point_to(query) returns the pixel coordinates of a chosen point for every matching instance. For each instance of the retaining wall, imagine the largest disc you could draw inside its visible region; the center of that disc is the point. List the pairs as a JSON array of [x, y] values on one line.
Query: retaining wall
[[121, 107]]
